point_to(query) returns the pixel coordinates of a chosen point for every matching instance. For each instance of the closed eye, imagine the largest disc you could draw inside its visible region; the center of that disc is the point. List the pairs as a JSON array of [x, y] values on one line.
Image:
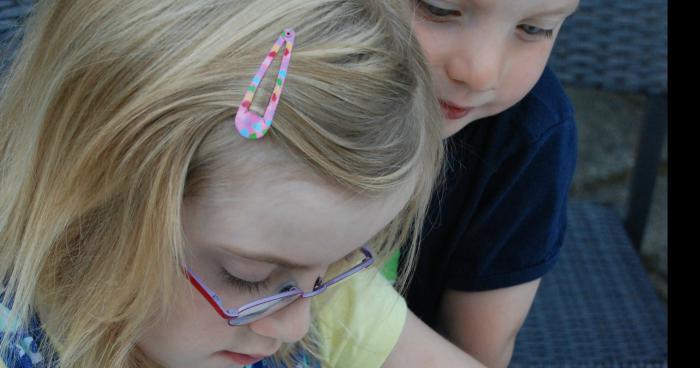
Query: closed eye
[[250, 286], [534, 31], [433, 11]]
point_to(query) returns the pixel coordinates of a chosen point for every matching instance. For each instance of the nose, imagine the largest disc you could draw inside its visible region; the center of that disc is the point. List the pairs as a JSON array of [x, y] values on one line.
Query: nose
[[477, 61], [288, 324]]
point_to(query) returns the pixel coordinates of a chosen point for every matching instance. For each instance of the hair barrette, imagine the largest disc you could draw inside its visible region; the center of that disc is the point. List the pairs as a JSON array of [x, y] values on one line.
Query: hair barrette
[[249, 123]]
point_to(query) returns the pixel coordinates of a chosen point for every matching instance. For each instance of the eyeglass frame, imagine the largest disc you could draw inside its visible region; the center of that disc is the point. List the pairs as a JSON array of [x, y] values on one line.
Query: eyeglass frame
[[232, 314]]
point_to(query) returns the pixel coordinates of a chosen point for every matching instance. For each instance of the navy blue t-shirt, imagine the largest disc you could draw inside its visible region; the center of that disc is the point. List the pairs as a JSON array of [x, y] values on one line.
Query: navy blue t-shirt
[[498, 219]]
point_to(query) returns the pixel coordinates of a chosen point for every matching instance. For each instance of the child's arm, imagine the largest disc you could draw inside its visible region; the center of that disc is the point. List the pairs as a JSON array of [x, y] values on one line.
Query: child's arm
[[365, 323], [420, 346], [486, 323]]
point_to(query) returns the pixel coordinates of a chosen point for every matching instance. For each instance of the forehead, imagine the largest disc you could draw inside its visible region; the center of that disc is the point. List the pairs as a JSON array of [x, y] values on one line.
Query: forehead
[[521, 7], [303, 220]]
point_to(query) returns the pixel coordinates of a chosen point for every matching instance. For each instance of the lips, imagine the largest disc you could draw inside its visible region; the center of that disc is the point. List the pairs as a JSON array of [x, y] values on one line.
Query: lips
[[452, 111], [241, 359]]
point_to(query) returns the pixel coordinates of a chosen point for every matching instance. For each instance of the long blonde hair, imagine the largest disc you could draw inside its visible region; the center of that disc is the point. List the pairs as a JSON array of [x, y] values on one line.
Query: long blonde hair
[[114, 111]]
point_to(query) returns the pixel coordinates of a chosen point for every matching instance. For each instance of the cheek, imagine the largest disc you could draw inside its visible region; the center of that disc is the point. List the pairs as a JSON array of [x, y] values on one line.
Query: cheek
[[525, 69], [434, 40], [191, 332], [425, 38], [436, 43]]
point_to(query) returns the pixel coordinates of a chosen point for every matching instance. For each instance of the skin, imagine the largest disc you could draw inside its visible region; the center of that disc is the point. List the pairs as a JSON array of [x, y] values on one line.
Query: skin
[[270, 229], [419, 346], [486, 55]]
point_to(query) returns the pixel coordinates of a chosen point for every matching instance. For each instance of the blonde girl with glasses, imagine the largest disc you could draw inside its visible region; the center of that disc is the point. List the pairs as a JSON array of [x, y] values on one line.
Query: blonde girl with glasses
[[143, 225]]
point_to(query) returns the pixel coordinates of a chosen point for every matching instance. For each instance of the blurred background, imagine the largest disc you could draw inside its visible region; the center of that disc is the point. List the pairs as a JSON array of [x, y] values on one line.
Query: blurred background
[[605, 303], [611, 56], [609, 125]]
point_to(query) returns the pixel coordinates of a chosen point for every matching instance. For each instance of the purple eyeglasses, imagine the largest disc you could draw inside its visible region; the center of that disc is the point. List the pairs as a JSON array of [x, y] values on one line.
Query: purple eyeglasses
[[263, 307]]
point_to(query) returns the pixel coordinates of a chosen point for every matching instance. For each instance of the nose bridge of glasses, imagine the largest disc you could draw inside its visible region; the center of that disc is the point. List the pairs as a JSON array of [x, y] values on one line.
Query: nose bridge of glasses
[[261, 308], [317, 290]]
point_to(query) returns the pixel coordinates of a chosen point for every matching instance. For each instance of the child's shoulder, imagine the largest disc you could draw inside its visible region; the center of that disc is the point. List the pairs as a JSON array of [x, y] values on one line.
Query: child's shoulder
[[549, 92], [544, 110], [543, 119]]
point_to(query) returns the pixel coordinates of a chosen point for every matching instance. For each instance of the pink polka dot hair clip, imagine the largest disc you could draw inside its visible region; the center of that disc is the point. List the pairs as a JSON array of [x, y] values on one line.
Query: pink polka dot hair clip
[[249, 123]]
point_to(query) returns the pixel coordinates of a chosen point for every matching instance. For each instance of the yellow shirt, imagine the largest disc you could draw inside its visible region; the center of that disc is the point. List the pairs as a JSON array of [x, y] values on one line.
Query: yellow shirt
[[360, 322]]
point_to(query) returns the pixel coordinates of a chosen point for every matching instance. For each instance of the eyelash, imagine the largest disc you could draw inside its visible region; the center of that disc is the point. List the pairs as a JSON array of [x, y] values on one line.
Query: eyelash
[[438, 14], [433, 11], [539, 32], [251, 287]]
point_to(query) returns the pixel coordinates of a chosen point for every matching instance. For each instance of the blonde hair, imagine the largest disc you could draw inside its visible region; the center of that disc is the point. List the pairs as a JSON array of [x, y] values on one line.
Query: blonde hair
[[114, 111]]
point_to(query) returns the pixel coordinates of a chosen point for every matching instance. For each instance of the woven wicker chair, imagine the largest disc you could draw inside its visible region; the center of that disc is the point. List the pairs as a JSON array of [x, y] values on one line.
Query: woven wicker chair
[[597, 307]]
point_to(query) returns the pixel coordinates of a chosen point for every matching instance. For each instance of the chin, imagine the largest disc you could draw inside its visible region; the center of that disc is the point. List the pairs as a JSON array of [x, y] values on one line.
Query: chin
[[451, 127]]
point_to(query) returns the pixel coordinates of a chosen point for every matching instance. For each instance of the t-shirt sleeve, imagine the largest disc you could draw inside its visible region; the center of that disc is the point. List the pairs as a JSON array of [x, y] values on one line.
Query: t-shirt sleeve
[[360, 322], [518, 225]]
